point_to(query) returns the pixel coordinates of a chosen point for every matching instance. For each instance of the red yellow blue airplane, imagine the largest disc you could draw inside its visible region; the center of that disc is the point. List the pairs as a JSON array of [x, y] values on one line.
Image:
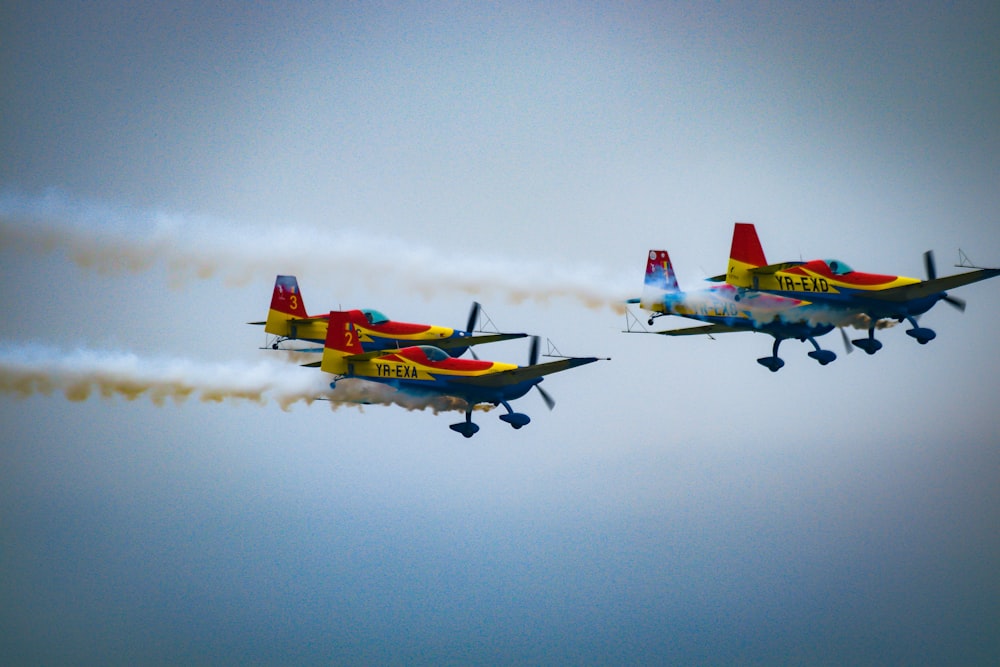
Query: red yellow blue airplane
[[821, 295], [725, 308], [843, 292], [428, 370], [287, 320]]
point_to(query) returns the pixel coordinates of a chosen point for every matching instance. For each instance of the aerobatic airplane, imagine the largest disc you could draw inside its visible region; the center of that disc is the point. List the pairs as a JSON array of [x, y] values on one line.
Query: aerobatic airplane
[[833, 285], [726, 308], [428, 370], [287, 320]]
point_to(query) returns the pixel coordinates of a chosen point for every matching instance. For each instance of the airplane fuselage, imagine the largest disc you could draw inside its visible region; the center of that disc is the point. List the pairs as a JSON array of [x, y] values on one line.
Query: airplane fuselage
[[780, 316], [427, 371], [383, 336]]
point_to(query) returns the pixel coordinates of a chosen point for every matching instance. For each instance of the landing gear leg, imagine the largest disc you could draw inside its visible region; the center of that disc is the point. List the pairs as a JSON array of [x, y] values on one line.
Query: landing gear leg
[[822, 356], [515, 419], [774, 362], [922, 334], [466, 428], [869, 345]]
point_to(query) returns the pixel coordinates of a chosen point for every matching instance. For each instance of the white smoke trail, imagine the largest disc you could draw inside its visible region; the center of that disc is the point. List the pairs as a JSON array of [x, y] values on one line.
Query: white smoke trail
[[109, 239], [26, 370], [357, 391], [761, 308]]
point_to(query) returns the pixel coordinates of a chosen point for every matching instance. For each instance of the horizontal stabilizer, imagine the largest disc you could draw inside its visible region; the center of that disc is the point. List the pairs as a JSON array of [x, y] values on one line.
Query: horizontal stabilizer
[[308, 320], [771, 269]]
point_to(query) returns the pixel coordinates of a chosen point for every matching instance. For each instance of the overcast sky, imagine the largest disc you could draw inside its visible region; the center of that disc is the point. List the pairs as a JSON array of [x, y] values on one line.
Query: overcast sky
[[680, 505]]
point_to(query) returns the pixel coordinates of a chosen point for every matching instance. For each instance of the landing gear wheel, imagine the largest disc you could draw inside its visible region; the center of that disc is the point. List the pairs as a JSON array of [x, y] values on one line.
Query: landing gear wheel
[[869, 345], [468, 429], [922, 334], [823, 356], [516, 419], [773, 364]]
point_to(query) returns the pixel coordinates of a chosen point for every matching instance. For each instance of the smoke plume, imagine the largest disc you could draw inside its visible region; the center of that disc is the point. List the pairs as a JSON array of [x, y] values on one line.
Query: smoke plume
[[108, 239], [27, 370]]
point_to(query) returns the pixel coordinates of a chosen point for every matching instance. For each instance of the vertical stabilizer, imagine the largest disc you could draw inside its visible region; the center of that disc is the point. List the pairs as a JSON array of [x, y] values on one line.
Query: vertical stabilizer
[[745, 254], [660, 280], [286, 305], [341, 341]]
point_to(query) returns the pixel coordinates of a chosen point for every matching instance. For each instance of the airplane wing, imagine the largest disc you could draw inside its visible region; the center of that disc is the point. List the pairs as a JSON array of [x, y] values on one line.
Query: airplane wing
[[518, 375], [694, 331], [446, 343], [924, 288]]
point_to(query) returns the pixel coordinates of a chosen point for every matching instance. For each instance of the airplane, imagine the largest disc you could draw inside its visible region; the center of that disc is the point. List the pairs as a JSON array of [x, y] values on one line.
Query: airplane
[[287, 320], [428, 370], [844, 292], [726, 309]]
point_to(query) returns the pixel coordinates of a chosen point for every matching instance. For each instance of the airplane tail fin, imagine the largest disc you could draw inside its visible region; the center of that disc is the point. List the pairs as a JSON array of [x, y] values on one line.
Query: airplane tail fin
[[342, 341], [660, 280], [286, 305], [745, 254]]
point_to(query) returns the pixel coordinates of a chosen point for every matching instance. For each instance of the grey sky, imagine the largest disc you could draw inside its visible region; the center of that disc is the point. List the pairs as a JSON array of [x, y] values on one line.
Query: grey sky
[[680, 504]]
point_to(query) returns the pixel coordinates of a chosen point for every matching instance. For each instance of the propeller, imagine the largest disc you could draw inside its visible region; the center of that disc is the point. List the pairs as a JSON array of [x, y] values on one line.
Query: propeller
[[929, 267], [549, 401], [955, 302], [471, 325], [473, 316], [931, 270], [532, 360], [847, 341]]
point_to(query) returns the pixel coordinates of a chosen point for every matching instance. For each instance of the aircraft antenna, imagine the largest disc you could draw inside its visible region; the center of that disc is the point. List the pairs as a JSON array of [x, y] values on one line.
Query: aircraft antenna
[[552, 351], [633, 324], [486, 321]]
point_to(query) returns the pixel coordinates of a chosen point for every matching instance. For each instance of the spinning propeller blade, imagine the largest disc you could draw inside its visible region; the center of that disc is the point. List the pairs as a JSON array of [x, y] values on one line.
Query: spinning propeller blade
[[470, 325], [549, 401], [931, 270], [473, 316], [532, 360], [929, 267], [955, 302], [847, 341]]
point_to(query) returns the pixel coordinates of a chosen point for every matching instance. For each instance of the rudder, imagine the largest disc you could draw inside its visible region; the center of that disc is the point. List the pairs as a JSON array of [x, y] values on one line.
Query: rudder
[[286, 304], [745, 254], [341, 341], [660, 279]]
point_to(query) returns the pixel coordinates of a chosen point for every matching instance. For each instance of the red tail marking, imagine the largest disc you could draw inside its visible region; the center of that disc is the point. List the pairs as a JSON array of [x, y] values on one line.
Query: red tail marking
[[746, 246], [287, 298], [341, 334]]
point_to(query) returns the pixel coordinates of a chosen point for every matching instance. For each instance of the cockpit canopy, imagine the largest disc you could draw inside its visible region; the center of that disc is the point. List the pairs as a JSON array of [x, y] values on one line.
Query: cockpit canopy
[[434, 353], [374, 316], [837, 267]]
